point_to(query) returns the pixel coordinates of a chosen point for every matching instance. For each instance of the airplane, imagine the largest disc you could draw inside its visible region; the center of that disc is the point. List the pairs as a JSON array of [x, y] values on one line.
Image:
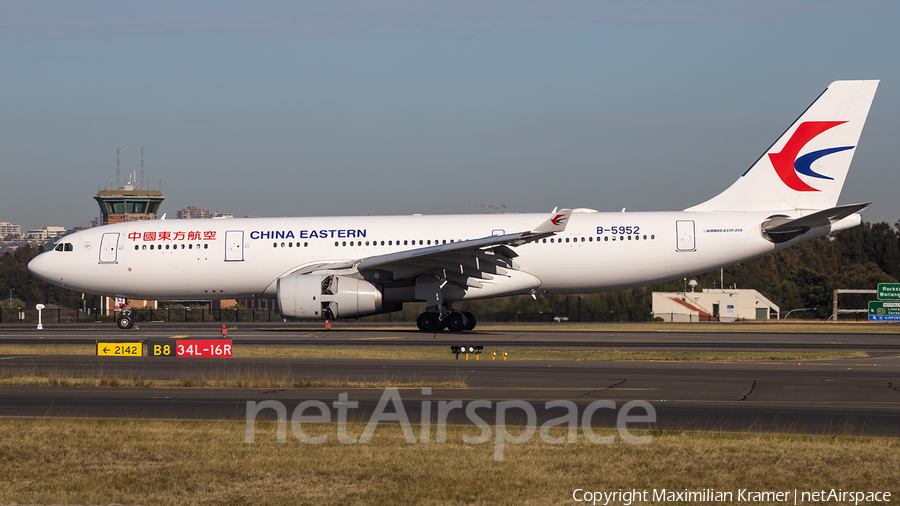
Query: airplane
[[344, 267]]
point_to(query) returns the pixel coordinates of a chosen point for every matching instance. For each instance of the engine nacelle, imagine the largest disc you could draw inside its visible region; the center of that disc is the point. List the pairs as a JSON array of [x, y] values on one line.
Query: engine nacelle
[[324, 296]]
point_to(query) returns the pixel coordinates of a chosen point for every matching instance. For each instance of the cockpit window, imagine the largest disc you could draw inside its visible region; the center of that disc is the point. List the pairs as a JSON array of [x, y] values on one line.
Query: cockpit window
[[69, 247], [59, 247]]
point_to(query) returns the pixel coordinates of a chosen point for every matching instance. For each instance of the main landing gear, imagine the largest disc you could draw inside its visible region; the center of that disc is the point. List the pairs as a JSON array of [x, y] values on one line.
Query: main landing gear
[[452, 320]]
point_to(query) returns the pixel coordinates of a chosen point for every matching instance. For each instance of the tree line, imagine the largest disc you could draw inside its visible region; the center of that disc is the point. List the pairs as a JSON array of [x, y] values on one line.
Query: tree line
[[803, 276]]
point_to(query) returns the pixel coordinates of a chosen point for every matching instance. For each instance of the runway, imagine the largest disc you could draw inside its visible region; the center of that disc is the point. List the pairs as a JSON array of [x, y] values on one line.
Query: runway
[[526, 337], [847, 396]]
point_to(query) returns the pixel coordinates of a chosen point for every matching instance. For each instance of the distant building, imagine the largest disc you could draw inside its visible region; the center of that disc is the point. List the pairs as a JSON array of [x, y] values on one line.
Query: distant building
[[217, 214], [192, 213], [7, 229], [45, 233], [713, 305]]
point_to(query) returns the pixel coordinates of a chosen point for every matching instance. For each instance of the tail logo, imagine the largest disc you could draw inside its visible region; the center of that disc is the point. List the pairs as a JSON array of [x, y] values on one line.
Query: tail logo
[[558, 219], [788, 165]]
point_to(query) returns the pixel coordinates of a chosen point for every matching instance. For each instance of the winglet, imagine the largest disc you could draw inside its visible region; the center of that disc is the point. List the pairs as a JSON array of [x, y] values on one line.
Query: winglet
[[556, 223]]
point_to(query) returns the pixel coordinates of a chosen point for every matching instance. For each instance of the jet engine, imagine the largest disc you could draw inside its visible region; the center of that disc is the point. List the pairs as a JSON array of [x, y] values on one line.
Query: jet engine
[[325, 296]]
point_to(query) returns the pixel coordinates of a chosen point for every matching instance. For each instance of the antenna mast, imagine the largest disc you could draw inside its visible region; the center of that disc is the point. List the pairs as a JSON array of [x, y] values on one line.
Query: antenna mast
[[117, 168], [141, 187]]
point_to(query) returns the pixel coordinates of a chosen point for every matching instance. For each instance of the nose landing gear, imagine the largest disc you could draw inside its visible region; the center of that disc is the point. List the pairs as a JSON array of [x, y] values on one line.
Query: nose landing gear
[[125, 320]]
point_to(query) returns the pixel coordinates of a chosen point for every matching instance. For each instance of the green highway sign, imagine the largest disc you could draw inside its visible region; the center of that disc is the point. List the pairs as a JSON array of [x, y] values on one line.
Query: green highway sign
[[888, 291], [884, 311]]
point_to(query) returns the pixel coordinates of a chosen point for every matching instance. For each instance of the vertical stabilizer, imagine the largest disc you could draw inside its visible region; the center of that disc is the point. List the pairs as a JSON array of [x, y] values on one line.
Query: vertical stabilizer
[[806, 167]]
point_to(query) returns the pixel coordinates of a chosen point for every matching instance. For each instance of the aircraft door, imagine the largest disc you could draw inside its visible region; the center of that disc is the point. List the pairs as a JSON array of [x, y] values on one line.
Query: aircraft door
[[234, 246], [109, 244], [684, 229]]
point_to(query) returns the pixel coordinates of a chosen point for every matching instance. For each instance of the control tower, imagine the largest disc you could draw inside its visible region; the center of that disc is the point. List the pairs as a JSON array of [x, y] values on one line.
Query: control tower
[[129, 202]]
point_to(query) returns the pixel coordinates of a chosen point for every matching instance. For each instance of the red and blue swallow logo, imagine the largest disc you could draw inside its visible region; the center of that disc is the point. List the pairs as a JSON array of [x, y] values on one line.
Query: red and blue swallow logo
[[558, 219], [788, 165]]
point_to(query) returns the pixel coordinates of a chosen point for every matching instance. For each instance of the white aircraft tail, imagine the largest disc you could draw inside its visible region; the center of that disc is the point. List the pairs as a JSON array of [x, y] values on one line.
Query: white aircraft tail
[[806, 167]]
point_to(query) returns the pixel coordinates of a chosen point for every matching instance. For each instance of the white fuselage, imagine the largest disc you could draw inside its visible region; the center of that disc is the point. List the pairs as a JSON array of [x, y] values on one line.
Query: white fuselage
[[237, 258]]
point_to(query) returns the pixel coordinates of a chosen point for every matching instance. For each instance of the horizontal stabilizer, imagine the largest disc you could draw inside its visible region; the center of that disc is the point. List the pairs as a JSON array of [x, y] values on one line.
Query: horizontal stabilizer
[[781, 228]]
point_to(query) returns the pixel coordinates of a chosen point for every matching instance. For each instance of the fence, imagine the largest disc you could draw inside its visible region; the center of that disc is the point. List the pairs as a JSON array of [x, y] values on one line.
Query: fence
[[62, 315]]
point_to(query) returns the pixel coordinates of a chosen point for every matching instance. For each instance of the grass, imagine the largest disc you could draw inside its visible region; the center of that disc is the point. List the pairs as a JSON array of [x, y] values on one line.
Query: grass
[[191, 462], [225, 380]]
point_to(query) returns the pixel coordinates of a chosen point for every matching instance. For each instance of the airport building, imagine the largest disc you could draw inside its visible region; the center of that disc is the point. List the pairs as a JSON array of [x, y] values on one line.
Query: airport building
[[713, 305]]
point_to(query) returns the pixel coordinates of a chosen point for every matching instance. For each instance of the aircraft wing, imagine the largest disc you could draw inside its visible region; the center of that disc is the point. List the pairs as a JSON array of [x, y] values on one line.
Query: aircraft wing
[[461, 263]]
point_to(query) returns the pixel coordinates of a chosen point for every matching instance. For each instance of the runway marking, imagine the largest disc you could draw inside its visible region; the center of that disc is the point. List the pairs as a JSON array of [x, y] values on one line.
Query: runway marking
[[177, 337], [373, 338], [796, 403]]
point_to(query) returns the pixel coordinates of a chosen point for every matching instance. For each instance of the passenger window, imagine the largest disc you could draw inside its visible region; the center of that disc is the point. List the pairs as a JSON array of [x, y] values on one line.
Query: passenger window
[[190, 246], [135, 247], [345, 243], [274, 244], [305, 244], [420, 242], [645, 237], [567, 239], [151, 246], [290, 245], [606, 238], [591, 239], [144, 247], [167, 246], [653, 237], [206, 246], [551, 241], [405, 243]]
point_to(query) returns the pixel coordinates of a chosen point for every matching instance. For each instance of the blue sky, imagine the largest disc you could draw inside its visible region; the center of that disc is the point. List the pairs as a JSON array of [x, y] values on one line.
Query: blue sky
[[398, 107]]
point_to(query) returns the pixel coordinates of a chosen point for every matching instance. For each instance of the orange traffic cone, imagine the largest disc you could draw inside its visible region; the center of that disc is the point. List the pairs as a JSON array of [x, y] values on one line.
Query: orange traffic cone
[[327, 325], [224, 330]]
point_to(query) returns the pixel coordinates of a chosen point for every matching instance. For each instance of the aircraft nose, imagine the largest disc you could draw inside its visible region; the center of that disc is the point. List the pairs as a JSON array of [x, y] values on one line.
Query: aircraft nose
[[36, 266]]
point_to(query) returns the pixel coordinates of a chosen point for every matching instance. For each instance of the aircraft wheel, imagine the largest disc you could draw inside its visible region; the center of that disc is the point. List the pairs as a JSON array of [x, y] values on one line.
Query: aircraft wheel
[[428, 322], [470, 320], [456, 322], [125, 322]]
